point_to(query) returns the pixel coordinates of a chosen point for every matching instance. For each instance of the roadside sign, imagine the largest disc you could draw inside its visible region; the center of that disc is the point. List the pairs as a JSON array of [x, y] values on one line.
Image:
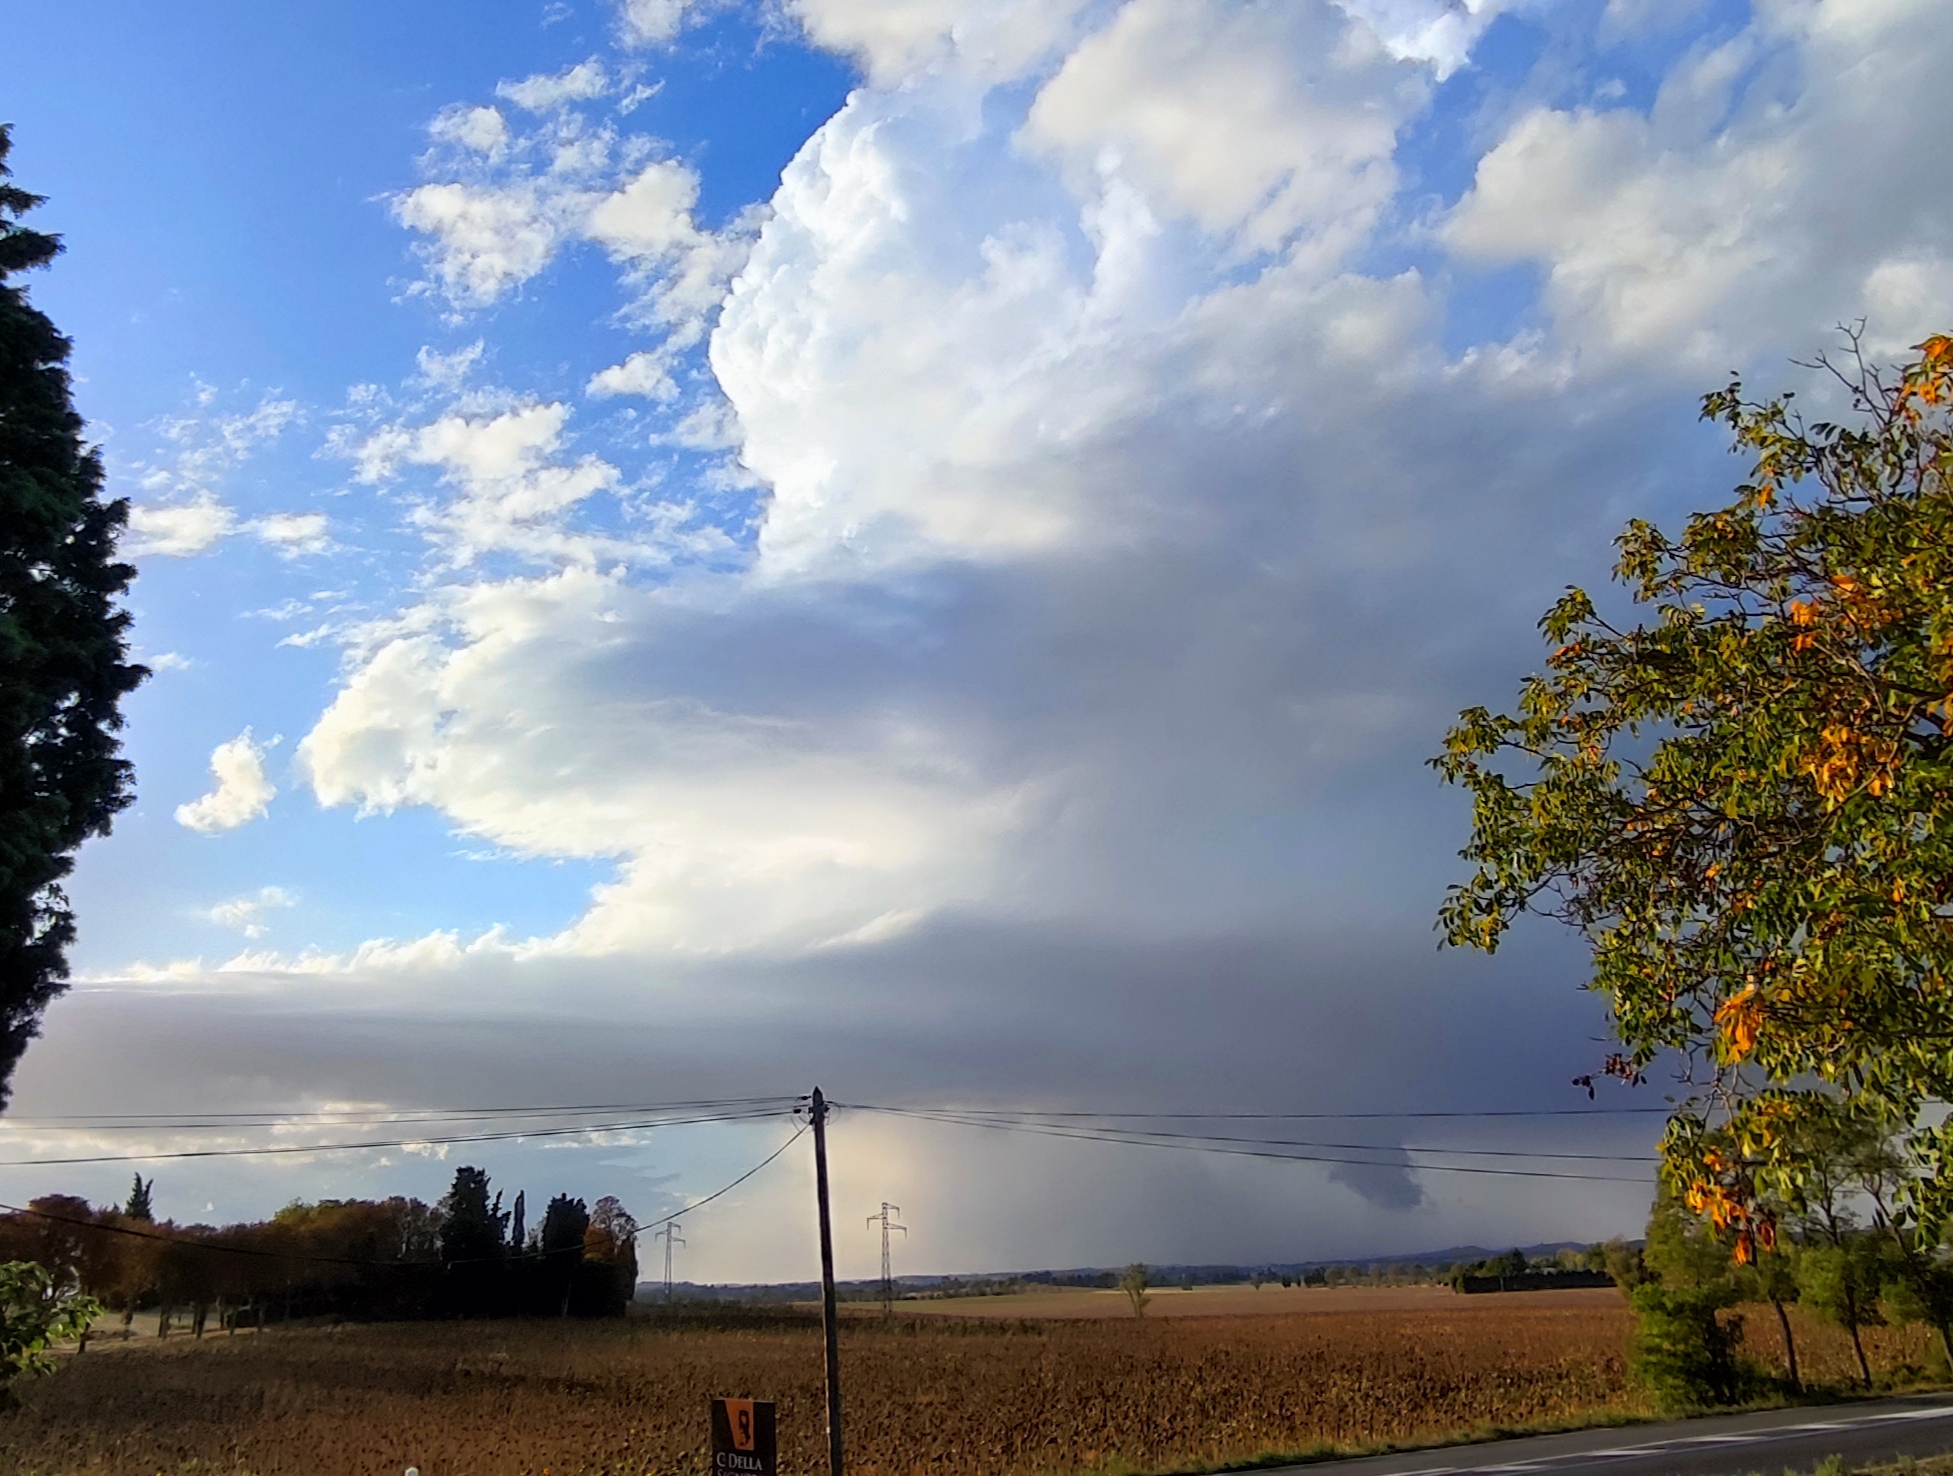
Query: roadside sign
[[744, 1441]]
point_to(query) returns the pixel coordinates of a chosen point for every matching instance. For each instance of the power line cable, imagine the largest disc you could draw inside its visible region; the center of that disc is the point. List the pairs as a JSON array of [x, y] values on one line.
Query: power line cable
[[277, 1117], [1197, 1146], [1096, 1126], [139, 1121], [283, 1255], [440, 1140], [718, 1193], [1301, 1116], [1118, 1134]]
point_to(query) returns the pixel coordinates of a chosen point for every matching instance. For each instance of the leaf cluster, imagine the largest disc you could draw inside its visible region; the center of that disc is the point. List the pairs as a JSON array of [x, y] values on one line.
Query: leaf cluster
[[1744, 800], [36, 1313]]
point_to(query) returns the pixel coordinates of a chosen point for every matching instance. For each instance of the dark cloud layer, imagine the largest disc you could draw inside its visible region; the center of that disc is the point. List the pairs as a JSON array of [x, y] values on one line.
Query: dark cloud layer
[[964, 1013]]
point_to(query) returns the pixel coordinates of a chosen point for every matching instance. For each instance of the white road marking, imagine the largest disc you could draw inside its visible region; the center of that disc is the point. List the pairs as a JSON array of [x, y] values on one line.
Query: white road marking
[[1769, 1435]]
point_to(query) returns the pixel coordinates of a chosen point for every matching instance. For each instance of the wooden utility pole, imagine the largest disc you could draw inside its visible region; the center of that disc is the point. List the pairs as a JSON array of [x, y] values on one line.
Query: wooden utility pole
[[817, 1110]]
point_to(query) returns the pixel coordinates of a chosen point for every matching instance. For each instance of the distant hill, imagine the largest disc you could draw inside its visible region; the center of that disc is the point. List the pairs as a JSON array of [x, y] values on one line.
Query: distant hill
[[978, 1282]]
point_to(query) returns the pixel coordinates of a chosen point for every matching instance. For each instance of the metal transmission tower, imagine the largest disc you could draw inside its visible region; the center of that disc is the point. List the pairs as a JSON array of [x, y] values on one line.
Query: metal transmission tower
[[671, 1237], [886, 1220]]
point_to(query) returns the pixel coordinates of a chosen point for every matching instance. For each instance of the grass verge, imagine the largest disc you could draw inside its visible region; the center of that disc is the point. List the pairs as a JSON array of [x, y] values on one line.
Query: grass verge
[[1603, 1419]]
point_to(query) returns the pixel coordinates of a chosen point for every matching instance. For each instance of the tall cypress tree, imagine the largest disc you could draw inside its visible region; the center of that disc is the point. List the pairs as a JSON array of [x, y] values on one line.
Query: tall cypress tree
[[64, 664]]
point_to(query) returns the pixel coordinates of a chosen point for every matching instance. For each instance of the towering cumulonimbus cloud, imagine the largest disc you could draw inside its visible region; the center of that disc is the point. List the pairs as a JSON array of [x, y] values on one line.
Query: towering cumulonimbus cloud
[[1051, 531], [1127, 521]]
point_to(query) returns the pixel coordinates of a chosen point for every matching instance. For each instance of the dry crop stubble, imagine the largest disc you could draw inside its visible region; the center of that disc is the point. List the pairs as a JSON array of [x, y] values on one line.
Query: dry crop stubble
[[939, 1395]]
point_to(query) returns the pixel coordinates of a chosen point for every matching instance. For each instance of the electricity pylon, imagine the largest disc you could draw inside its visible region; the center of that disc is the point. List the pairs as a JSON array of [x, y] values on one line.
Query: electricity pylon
[[671, 1237], [886, 1220]]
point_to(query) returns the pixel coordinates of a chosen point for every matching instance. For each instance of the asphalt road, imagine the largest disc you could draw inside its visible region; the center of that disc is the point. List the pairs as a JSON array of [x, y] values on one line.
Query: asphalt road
[[1719, 1445]]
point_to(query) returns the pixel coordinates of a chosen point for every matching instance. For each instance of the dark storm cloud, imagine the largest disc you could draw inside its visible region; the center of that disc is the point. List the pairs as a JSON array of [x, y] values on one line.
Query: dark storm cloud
[[1387, 1185]]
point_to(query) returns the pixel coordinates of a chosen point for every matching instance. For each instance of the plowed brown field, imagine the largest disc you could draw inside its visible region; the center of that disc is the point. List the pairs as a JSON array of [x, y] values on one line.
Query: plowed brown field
[[1271, 1300], [924, 1394]]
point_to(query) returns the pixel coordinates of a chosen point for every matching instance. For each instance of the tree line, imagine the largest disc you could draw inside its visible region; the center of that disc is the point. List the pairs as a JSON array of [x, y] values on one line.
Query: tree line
[[395, 1258], [1840, 1251]]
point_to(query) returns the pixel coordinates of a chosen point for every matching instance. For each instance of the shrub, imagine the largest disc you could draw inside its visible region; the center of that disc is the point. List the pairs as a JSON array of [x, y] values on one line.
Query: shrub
[[35, 1313], [1684, 1351]]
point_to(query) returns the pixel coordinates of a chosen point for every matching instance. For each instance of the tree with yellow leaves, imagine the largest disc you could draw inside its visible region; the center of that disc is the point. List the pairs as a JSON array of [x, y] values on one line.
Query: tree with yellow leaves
[[1745, 801]]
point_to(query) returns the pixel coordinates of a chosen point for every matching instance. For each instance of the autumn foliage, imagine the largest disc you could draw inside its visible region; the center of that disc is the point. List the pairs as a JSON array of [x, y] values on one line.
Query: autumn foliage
[[1745, 800], [356, 1258]]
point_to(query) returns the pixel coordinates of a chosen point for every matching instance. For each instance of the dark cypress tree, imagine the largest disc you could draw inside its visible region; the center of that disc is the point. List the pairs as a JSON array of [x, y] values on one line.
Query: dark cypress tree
[[64, 664], [139, 1206], [472, 1227], [474, 1247], [564, 1222]]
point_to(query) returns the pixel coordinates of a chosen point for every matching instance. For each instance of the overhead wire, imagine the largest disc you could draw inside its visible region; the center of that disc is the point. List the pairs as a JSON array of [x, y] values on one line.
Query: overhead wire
[[1241, 1147], [988, 1117], [1140, 1135], [425, 1140], [1066, 1123], [279, 1117], [276, 1116], [1311, 1116], [799, 1132], [349, 1116], [284, 1255]]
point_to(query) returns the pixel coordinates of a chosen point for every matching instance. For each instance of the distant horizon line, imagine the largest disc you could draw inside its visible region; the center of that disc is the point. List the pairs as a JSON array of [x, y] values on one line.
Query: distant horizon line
[[1443, 1257]]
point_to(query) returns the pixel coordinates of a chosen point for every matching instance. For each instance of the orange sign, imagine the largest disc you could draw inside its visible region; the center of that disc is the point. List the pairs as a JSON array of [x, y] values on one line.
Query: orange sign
[[739, 1414], [744, 1440]]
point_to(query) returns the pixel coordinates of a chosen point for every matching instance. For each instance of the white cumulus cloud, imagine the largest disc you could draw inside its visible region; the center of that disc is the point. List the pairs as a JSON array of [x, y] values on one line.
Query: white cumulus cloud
[[1745, 211], [179, 529], [500, 216], [643, 373], [736, 824], [480, 129], [294, 533], [241, 792], [1438, 32], [247, 913], [512, 487], [648, 224], [996, 40], [642, 23], [544, 92], [1255, 120], [486, 240], [203, 448]]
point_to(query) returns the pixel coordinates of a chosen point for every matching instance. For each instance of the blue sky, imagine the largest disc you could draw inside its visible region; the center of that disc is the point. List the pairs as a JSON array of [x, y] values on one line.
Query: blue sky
[[691, 547], [226, 232]]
